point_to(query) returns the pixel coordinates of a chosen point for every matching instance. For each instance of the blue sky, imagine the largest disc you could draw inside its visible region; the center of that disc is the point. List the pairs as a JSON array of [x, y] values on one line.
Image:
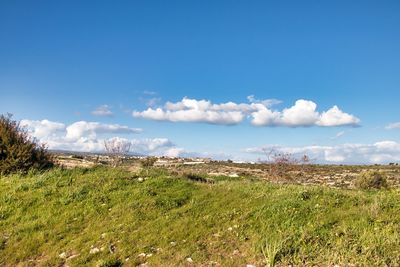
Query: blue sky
[[60, 61]]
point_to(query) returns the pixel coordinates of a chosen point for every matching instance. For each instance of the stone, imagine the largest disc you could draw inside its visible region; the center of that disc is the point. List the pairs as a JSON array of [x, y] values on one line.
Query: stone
[[94, 250], [63, 255]]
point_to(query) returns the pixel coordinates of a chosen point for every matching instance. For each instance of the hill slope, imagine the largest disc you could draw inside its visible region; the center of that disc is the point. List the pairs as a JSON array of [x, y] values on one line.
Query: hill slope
[[108, 217]]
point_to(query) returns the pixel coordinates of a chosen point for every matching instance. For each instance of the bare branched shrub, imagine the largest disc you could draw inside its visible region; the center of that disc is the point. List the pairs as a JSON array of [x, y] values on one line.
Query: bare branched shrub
[[18, 150], [305, 161], [280, 163], [116, 149]]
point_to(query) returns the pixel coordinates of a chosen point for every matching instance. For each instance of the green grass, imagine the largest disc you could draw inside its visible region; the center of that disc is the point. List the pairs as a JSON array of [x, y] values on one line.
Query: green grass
[[232, 222]]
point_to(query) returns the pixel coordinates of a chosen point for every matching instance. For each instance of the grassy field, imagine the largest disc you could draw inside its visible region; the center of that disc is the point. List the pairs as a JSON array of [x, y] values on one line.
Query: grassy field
[[109, 217]]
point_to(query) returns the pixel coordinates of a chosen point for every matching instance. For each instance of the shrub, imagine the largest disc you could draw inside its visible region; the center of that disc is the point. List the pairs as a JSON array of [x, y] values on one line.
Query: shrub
[[371, 180], [198, 178], [148, 162], [18, 151]]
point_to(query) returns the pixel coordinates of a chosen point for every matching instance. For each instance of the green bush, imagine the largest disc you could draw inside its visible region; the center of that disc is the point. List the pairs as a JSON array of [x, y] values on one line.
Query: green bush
[[18, 151], [371, 180]]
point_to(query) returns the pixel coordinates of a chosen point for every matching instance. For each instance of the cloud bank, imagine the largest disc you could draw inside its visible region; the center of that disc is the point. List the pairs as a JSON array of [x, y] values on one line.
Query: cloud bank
[[302, 114], [89, 137], [379, 152]]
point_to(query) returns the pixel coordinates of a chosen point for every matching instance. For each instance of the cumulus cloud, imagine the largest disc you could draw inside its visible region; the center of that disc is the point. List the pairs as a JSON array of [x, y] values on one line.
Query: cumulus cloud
[[43, 128], [302, 114], [334, 116], [174, 152], [88, 136], [395, 125], [150, 146], [191, 110], [103, 110], [92, 129], [379, 152]]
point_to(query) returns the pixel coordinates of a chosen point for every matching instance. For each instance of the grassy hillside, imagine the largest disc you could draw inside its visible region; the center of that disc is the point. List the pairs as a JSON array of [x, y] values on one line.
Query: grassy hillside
[[109, 217]]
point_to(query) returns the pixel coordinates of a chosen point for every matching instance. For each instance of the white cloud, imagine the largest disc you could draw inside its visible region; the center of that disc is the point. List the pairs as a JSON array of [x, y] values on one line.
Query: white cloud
[[334, 116], [103, 110], [174, 152], [302, 113], [379, 152], [148, 146], [266, 102], [92, 129], [338, 135], [90, 136], [191, 110], [42, 128], [395, 125]]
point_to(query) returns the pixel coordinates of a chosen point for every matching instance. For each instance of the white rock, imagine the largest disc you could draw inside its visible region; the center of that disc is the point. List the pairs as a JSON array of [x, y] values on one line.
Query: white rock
[[230, 229], [189, 260], [142, 255], [140, 179], [250, 265], [63, 255], [94, 250]]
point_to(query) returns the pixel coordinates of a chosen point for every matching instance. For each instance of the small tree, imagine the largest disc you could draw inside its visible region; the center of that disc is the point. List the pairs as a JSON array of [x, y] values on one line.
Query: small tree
[[116, 149], [18, 150]]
